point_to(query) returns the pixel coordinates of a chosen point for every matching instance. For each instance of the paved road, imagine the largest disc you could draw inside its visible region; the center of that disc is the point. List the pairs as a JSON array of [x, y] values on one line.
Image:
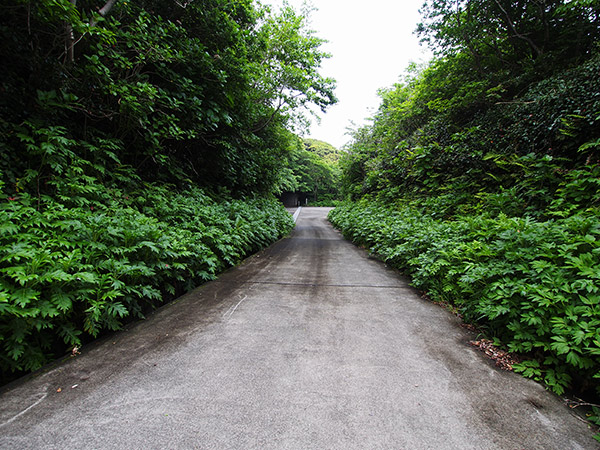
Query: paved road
[[308, 345]]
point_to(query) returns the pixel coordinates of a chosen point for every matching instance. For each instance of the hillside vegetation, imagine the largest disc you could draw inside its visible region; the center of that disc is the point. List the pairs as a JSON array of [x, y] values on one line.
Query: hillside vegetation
[[141, 143], [313, 170], [480, 178]]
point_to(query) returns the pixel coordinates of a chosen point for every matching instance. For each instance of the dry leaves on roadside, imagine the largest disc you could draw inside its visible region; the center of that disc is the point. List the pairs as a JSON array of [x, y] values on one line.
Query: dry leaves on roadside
[[504, 360]]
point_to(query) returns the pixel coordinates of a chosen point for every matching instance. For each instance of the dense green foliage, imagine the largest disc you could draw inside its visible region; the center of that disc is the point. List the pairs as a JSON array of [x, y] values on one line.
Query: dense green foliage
[[323, 150], [140, 144], [70, 271], [182, 90], [480, 177], [532, 285], [313, 171]]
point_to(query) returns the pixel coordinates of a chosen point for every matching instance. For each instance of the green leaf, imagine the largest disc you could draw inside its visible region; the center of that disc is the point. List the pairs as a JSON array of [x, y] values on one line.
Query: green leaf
[[117, 309], [62, 300], [24, 296]]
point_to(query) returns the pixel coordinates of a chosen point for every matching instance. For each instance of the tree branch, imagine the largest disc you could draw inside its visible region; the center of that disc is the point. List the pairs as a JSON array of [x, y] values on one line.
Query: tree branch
[[184, 4], [515, 103], [70, 38], [517, 34], [282, 102], [467, 39], [104, 11]]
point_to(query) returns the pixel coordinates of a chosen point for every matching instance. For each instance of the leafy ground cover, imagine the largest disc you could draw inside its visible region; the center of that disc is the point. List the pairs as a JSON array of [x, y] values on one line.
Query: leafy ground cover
[[71, 272], [531, 285]]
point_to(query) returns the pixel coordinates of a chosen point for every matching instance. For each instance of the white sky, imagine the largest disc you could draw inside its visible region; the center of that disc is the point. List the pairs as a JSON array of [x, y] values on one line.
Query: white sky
[[372, 43]]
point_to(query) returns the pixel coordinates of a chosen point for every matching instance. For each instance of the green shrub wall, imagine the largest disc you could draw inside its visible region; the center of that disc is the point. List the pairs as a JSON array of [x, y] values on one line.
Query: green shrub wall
[[532, 285], [69, 273]]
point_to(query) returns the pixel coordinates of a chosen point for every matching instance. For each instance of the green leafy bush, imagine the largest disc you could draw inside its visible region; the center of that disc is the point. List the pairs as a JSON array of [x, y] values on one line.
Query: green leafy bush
[[533, 285], [197, 91], [68, 273]]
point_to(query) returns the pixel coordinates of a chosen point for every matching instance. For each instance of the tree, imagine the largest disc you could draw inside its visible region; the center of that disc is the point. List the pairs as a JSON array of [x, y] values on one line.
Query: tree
[[323, 150], [508, 96], [191, 90], [513, 36], [285, 78], [311, 169]]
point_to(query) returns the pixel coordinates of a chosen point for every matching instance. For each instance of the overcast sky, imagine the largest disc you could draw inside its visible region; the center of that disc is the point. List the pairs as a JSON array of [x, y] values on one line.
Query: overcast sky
[[372, 43]]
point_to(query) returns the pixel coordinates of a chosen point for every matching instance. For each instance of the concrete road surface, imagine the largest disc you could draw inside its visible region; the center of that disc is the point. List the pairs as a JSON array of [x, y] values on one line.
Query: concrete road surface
[[307, 345]]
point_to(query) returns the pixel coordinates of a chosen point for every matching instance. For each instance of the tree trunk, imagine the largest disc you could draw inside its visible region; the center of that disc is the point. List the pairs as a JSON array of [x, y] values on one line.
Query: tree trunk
[[70, 39]]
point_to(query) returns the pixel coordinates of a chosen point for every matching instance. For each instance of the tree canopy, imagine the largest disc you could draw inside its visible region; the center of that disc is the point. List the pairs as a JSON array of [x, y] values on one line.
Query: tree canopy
[[513, 87], [178, 90], [312, 170]]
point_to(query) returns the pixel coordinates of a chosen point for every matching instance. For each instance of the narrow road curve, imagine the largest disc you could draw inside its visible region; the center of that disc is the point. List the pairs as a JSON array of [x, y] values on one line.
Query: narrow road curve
[[309, 344]]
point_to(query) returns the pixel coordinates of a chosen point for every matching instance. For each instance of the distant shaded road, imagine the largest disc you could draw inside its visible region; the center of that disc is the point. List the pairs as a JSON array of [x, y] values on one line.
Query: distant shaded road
[[308, 345]]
